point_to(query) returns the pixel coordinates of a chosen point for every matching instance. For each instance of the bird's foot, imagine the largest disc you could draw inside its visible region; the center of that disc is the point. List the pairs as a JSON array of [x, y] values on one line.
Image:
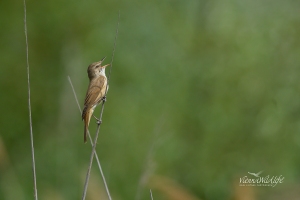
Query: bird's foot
[[99, 122], [104, 99]]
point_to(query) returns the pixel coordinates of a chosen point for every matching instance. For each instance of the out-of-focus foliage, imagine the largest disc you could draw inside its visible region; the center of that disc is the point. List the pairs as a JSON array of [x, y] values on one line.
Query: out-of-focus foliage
[[201, 93]]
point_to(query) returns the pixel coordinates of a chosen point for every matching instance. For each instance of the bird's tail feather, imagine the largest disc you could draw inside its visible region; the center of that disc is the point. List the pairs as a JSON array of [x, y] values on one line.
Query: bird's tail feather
[[86, 116]]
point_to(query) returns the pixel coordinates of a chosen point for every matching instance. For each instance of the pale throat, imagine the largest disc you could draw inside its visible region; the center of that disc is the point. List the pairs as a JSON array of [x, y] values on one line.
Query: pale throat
[[102, 71]]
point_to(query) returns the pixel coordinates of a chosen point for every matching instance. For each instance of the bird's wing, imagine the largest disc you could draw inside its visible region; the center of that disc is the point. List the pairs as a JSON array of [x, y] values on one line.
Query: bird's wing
[[95, 91]]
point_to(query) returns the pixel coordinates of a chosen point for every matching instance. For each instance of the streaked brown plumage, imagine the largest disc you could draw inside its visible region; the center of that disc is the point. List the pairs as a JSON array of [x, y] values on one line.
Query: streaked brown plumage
[[95, 92]]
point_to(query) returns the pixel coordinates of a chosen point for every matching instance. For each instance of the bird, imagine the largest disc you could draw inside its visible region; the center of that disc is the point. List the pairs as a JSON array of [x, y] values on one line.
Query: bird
[[255, 174], [95, 93]]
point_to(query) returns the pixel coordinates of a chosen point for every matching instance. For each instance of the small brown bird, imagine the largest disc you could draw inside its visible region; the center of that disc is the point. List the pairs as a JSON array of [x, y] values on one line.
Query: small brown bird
[[95, 93]]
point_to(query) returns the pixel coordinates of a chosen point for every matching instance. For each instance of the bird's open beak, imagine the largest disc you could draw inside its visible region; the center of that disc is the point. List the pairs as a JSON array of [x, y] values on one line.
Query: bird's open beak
[[100, 62]]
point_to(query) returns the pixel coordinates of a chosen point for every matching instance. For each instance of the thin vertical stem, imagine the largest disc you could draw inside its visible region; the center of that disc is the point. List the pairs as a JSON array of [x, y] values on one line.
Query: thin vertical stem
[[29, 105]]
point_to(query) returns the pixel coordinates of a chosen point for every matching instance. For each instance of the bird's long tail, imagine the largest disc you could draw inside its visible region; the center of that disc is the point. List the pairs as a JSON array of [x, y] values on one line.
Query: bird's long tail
[[86, 117]]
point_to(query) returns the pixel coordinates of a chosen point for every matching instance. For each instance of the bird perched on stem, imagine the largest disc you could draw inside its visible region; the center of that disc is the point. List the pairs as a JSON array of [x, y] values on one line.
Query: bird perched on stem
[[95, 93]]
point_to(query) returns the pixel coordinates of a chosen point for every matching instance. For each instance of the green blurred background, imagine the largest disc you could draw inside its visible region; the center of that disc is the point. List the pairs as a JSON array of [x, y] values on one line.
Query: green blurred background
[[201, 93]]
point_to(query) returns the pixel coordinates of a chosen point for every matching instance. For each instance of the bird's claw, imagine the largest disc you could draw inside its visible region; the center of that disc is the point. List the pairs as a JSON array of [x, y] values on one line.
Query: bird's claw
[[104, 98]]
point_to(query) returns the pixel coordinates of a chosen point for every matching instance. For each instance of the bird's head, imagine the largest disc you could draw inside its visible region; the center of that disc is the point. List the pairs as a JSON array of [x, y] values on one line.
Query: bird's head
[[96, 69]]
